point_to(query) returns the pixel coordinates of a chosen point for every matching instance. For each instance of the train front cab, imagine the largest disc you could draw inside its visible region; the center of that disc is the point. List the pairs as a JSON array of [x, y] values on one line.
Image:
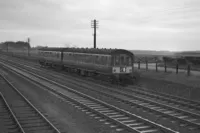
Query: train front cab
[[122, 66]]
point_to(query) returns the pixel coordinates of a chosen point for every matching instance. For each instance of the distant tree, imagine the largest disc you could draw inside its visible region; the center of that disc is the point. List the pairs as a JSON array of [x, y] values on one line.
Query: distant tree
[[67, 45], [11, 44], [21, 44], [38, 46], [74, 46], [70, 45]]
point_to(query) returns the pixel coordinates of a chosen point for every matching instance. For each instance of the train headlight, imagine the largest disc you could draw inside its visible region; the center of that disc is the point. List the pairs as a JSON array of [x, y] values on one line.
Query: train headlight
[[124, 69]]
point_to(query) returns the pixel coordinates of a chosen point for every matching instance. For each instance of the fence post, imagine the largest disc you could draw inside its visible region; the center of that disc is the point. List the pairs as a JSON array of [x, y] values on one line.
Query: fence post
[[156, 66], [188, 70], [146, 65], [165, 66], [177, 68], [138, 64]]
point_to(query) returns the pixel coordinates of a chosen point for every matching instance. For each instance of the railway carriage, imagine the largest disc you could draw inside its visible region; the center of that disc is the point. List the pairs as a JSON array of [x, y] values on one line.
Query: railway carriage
[[50, 57], [115, 65]]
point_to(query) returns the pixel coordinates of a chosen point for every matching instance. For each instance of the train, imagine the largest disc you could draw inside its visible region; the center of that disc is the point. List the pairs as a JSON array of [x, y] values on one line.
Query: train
[[113, 65]]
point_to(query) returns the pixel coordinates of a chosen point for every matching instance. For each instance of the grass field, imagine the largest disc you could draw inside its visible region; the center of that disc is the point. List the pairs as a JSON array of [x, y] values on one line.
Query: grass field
[[180, 78]]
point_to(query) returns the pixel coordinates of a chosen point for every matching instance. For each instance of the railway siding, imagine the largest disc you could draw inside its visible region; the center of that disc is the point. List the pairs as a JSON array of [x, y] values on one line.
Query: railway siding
[[138, 124], [185, 103], [164, 112], [162, 109], [8, 119], [27, 116]]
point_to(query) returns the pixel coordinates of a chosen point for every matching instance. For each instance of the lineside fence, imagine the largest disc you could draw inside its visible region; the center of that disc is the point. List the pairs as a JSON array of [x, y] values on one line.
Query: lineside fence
[[166, 67]]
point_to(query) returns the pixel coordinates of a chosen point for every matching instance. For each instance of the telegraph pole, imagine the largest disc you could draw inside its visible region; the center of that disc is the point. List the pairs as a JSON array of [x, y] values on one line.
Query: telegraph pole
[[28, 41], [94, 24]]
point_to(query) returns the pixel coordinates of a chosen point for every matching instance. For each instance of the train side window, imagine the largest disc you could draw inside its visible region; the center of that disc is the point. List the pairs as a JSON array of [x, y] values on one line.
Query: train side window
[[74, 57], [122, 60], [87, 59], [117, 61], [101, 60], [113, 60], [90, 58], [79, 57], [97, 59], [82, 57], [69, 56], [106, 60], [93, 57], [127, 61], [109, 61]]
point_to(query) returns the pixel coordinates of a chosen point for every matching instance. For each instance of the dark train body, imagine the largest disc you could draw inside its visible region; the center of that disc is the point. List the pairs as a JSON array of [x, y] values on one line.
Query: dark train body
[[115, 65]]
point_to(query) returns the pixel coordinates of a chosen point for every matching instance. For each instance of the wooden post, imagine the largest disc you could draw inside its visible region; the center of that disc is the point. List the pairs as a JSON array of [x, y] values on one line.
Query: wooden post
[[138, 64], [177, 68], [146, 65], [146, 61], [165, 66], [188, 70], [156, 66]]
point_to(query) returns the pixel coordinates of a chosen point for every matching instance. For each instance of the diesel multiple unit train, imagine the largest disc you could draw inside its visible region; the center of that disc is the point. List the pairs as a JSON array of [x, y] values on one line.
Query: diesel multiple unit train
[[114, 65]]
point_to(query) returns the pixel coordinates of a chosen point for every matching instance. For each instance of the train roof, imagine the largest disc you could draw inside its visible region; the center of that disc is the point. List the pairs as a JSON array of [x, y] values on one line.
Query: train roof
[[88, 50]]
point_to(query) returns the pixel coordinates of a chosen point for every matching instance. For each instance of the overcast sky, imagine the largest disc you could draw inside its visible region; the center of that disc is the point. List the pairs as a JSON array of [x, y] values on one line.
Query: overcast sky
[[129, 24]]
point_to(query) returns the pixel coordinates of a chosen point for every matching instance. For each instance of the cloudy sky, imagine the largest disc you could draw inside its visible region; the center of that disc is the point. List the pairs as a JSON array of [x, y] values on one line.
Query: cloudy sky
[[130, 24]]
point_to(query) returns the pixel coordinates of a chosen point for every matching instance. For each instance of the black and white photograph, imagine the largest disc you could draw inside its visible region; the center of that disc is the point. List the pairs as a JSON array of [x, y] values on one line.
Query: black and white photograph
[[99, 66]]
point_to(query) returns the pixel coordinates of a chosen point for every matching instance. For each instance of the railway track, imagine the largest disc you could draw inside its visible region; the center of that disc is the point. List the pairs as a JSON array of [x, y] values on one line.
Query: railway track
[[26, 115], [122, 119], [7, 117], [166, 98], [162, 97], [157, 103], [187, 118], [180, 102]]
